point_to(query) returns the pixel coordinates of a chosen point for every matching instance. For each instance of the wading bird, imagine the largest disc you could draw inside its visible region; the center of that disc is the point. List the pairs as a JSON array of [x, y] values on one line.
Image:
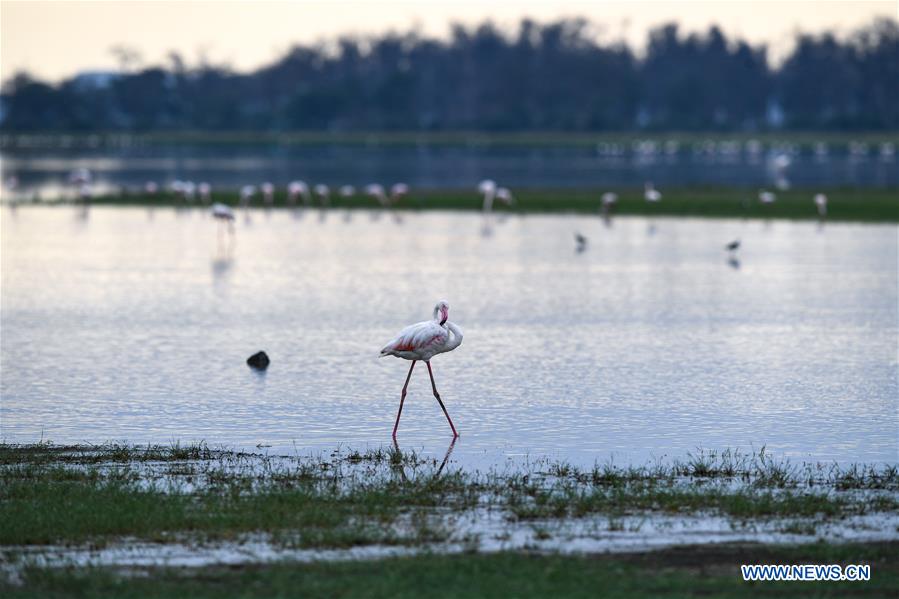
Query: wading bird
[[767, 197], [398, 192], [650, 193], [422, 341], [376, 191], [821, 204], [346, 191], [324, 194], [487, 188], [268, 193], [205, 191], [223, 214], [296, 189]]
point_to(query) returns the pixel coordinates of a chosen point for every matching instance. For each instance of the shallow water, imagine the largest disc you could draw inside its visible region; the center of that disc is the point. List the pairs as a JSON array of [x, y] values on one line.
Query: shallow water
[[132, 324]]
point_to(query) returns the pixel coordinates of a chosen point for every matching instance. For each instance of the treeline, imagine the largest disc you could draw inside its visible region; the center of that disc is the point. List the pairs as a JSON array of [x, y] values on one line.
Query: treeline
[[552, 76]]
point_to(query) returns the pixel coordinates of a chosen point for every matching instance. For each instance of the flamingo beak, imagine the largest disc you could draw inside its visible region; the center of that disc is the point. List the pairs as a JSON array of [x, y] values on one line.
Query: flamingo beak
[[444, 314]]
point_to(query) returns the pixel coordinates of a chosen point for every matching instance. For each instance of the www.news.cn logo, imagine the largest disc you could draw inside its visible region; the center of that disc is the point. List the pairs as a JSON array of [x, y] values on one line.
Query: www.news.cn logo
[[806, 572]]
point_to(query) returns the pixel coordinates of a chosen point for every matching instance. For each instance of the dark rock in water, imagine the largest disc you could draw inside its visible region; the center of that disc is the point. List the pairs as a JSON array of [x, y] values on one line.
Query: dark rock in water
[[259, 360]]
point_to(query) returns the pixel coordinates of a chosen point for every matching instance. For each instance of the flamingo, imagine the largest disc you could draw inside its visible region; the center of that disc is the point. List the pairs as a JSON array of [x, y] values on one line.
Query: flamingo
[[487, 187], [650, 193], [188, 189], [296, 189], [346, 191], [150, 187], [223, 214], [376, 191], [821, 204], [205, 191], [398, 191], [767, 197], [609, 199], [324, 194], [268, 193], [422, 341], [246, 194]]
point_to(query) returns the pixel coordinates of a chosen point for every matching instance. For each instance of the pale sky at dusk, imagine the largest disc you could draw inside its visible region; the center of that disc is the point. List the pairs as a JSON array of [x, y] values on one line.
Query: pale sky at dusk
[[56, 39]]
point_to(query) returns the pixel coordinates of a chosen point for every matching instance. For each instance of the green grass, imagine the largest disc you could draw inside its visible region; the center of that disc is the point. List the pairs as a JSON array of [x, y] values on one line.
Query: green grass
[[51, 494], [687, 571], [864, 205]]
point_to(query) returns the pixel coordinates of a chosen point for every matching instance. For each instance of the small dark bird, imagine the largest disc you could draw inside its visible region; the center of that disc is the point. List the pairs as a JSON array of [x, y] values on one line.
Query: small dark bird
[[581, 242], [733, 246]]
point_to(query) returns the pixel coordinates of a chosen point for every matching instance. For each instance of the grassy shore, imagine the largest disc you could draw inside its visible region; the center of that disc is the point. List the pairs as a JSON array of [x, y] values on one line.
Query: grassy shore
[[680, 572], [863, 205], [104, 496]]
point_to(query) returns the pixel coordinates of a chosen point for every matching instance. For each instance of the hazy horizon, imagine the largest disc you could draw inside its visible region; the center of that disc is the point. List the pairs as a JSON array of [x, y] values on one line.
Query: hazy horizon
[[54, 40]]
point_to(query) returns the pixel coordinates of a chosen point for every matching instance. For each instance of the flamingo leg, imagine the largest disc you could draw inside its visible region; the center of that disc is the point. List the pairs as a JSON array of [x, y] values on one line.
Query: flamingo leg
[[442, 407], [402, 399]]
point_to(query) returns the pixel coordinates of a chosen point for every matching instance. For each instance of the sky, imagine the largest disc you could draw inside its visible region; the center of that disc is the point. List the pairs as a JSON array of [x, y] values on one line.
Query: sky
[[55, 39]]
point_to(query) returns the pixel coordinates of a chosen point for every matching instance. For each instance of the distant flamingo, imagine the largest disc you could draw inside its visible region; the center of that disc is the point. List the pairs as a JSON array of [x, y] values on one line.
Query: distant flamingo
[[423, 341], [608, 199], [296, 189], [821, 204], [650, 193], [268, 193], [188, 190], [150, 187], [376, 191], [346, 191], [324, 194], [767, 197], [205, 191], [246, 195], [487, 188], [223, 214], [398, 192]]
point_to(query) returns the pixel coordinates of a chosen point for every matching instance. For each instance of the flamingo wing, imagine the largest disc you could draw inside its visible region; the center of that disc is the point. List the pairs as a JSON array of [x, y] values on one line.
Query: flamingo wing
[[417, 338]]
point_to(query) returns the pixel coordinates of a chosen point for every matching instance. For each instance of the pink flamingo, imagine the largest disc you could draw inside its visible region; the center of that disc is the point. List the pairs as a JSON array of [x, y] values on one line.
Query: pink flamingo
[[423, 341]]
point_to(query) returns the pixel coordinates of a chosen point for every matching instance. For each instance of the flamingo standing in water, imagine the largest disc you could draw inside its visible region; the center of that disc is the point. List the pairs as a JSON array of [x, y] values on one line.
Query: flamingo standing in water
[[376, 191], [268, 193], [324, 194], [205, 191], [487, 188], [398, 191], [223, 214], [296, 189], [821, 204], [650, 193], [767, 197], [423, 341]]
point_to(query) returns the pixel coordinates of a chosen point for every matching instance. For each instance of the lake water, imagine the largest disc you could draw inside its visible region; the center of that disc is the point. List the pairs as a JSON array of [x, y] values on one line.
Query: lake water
[[134, 324], [45, 172]]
